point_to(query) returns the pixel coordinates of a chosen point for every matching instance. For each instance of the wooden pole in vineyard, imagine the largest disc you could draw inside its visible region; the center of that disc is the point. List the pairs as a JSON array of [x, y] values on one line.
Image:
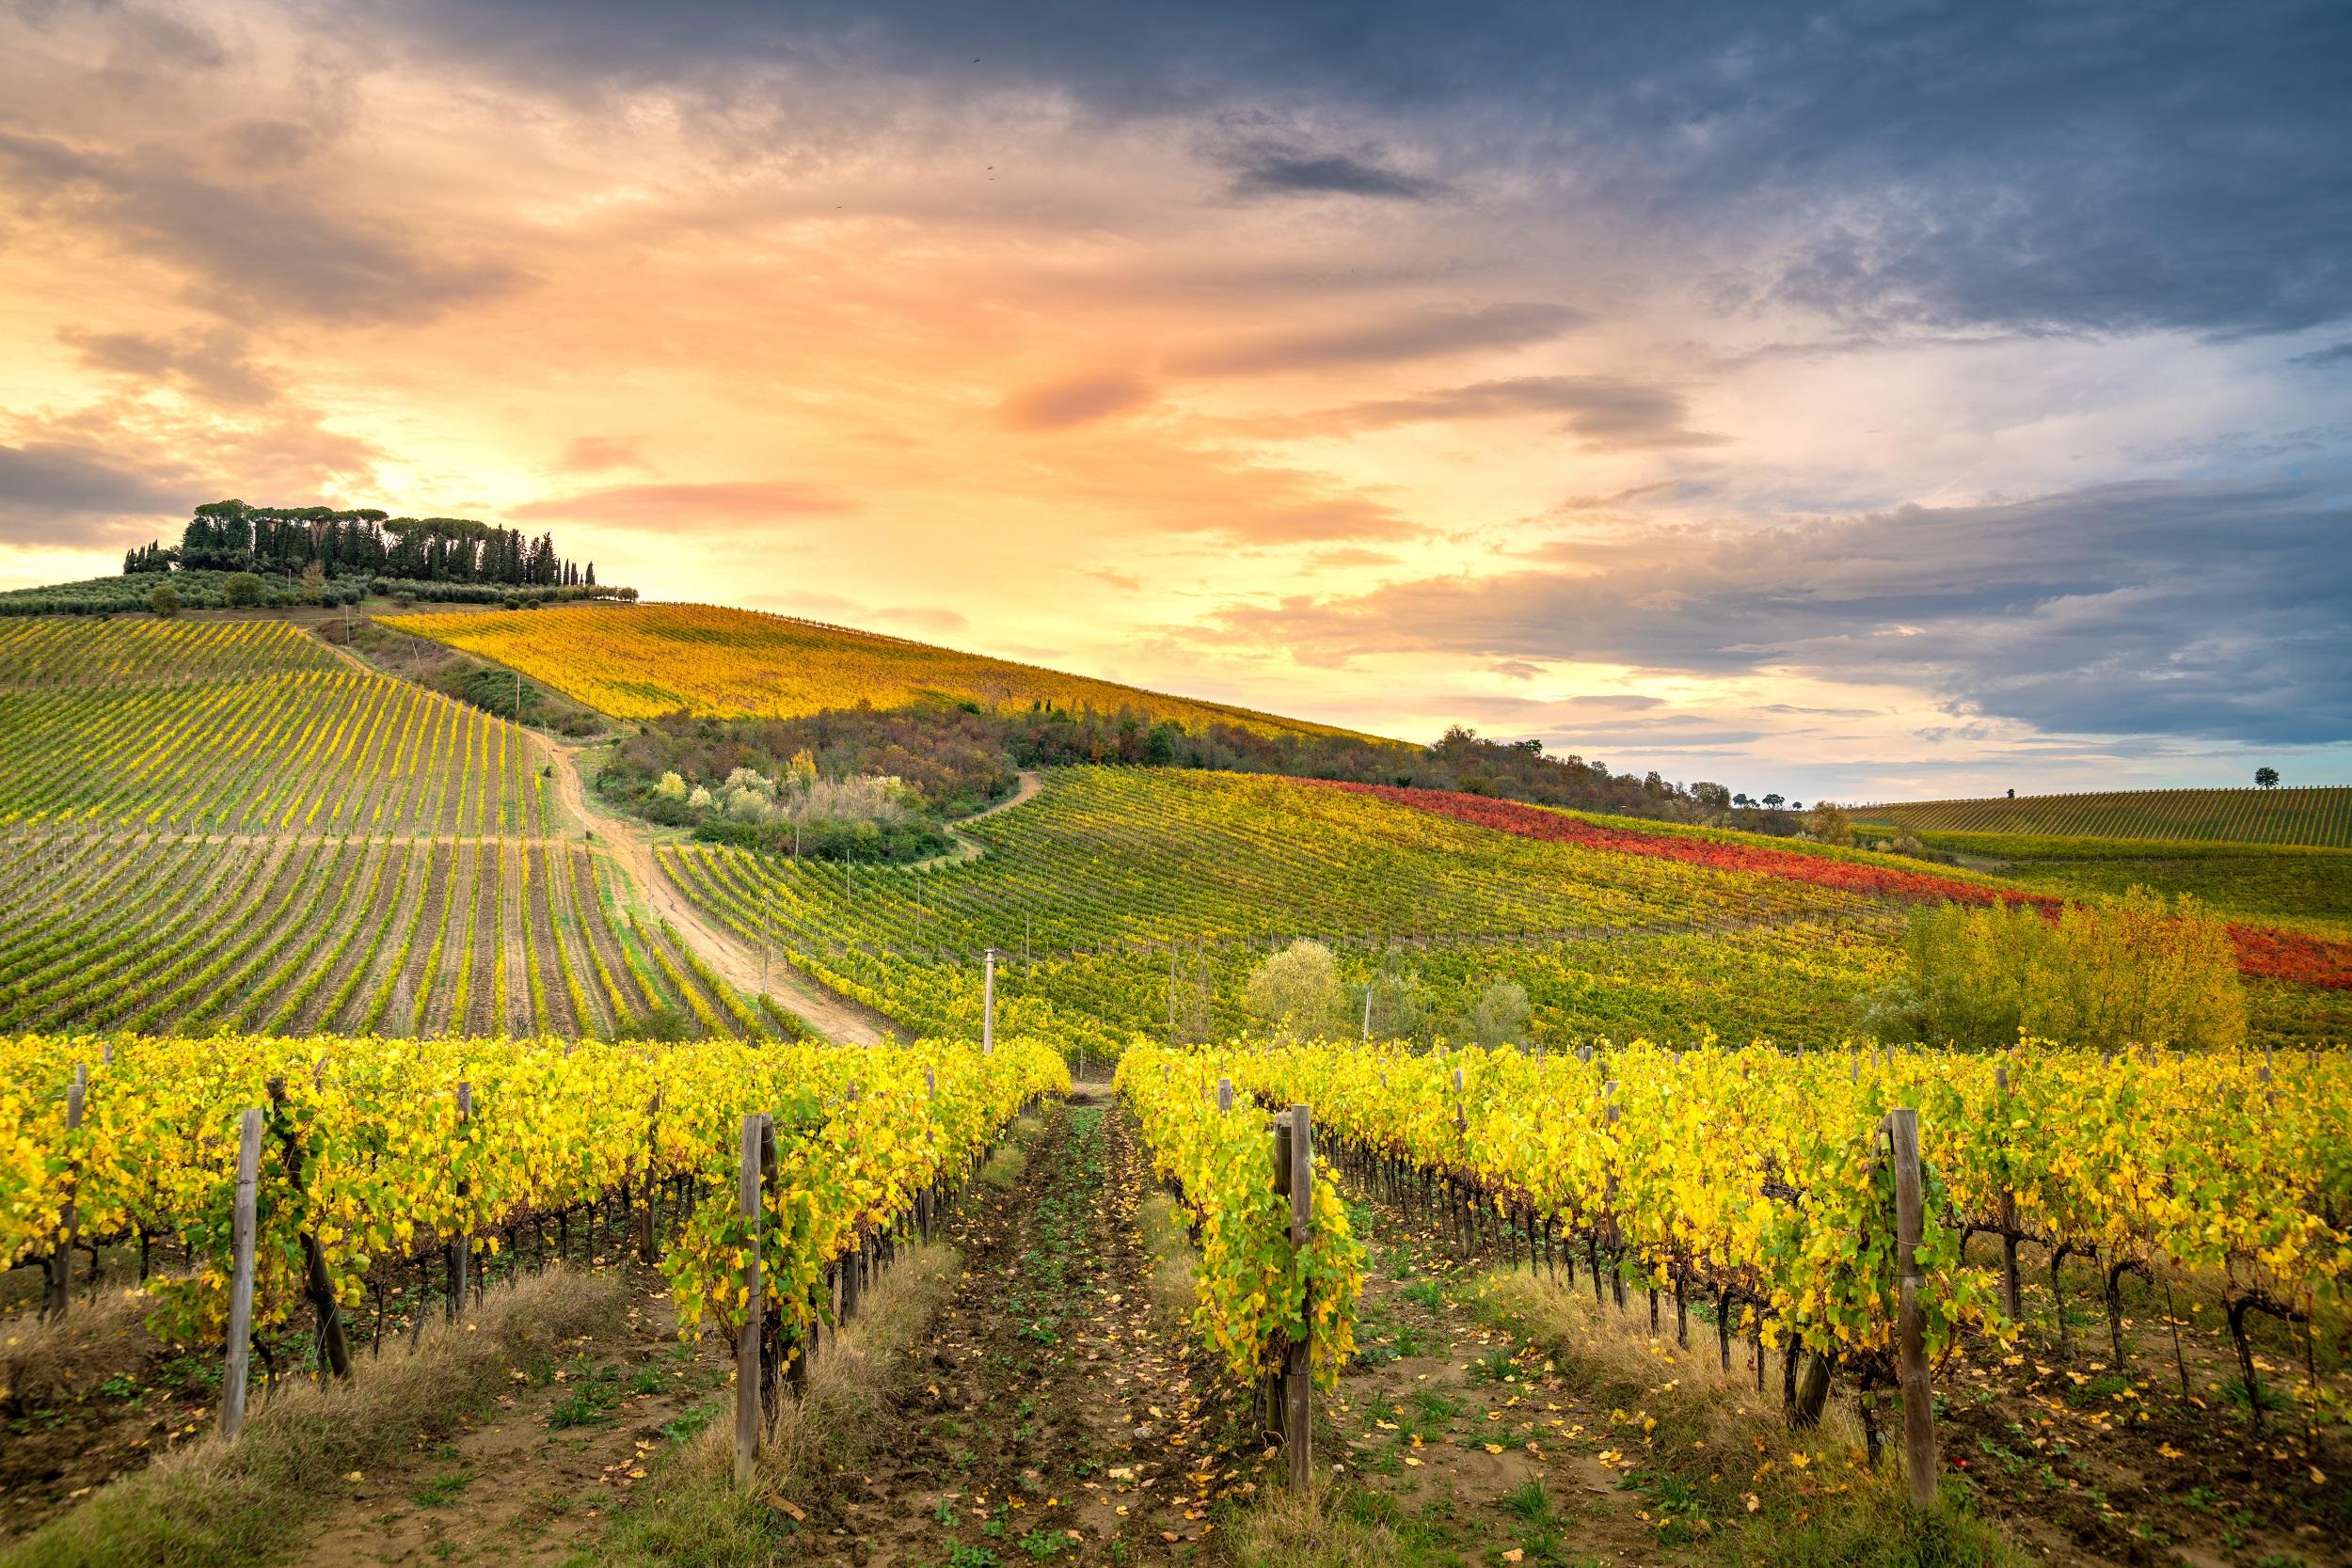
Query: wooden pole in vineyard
[[1902, 1134], [987, 1003], [2012, 1291], [1297, 1412], [461, 1245], [60, 1271], [236, 1365], [1224, 1094], [747, 1378]]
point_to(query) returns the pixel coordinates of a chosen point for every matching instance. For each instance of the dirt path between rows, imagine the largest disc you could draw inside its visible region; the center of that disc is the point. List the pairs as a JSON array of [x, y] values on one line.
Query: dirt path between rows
[[832, 1014], [1055, 1414], [1032, 781], [533, 1476]]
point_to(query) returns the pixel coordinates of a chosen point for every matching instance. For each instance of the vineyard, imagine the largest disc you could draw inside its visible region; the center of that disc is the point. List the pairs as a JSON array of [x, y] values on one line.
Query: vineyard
[[393, 1169], [641, 662], [1126, 900], [2313, 817], [222, 825]]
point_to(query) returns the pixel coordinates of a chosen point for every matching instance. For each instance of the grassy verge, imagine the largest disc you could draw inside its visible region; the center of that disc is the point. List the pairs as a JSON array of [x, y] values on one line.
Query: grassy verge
[[214, 1504], [1715, 1462]]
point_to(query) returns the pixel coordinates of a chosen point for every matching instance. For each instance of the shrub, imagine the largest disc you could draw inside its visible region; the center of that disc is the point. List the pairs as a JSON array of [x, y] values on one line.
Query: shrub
[[163, 601], [2135, 972], [1499, 1016], [1296, 992], [241, 589]]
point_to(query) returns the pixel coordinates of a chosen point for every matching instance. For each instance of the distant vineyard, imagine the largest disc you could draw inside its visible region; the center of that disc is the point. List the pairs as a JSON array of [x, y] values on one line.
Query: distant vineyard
[[644, 660], [1126, 899], [223, 825], [241, 727], [2319, 817]]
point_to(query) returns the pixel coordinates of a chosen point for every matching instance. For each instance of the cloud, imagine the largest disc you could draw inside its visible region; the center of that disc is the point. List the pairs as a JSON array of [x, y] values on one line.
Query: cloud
[[1350, 556], [251, 253], [2334, 354], [1125, 581], [595, 454], [668, 507], [1079, 400], [2210, 609], [59, 493], [1401, 339], [2104, 166], [1272, 169], [1607, 412], [209, 364]]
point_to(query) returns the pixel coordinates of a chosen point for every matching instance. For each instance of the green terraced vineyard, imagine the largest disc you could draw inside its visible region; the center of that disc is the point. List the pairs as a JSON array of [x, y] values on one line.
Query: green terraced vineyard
[[1121, 897], [2316, 817], [243, 727], [222, 824]]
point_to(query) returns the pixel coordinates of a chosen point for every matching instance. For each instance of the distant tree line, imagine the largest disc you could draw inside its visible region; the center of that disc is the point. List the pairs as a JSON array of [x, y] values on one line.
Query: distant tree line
[[231, 536], [957, 758], [205, 588]]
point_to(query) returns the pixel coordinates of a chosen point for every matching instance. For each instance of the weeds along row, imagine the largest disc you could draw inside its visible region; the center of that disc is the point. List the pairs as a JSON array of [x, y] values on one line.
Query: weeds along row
[[393, 1174], [1756, 1187]]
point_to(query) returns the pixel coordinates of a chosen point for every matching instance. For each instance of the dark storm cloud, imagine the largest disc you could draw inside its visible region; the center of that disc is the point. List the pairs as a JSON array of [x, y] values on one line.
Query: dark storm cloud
[[58, 493], [1273, 170], [2103, 164], [251, 252], [2212, 610], [1389, 339], [2334, 354]]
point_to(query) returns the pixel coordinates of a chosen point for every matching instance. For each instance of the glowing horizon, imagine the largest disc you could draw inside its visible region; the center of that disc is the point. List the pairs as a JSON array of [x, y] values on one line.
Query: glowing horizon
[[1724, 416]]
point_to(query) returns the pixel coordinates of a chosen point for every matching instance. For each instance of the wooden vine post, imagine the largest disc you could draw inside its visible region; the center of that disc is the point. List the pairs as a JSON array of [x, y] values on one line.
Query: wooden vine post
[[1903, 1135], [1224, 1094], [1295, 1171], [59, 1282], [238, 1361], [460, 1253], [988, 1003], [752, 1379], [647, 1247]]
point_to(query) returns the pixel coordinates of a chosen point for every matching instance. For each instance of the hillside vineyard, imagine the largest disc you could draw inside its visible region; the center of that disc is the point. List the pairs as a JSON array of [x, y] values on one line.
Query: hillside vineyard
[[639, 661], [2318, 818], [225, 824]]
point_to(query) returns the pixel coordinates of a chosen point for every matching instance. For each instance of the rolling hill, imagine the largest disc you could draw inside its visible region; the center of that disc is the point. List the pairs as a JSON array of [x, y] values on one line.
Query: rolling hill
[[639, 661], [2310, 818]]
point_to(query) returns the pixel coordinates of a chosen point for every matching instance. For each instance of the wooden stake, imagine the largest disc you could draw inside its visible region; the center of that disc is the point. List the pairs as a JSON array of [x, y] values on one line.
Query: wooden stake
[[1224, 1094], [235, 1365], [460, 1255], [747, 1378], [1297, 1393], [1902, 1130], [60, 1270], [2012, 1291], [987, 1005]]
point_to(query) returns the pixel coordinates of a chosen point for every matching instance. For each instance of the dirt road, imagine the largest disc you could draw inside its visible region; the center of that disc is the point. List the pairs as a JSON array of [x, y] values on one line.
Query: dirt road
[[833, 1016]]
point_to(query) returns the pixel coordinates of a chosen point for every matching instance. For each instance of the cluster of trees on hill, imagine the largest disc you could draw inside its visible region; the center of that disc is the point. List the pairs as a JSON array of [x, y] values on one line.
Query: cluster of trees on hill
[[956, 758], [231, 536], [204, 589]]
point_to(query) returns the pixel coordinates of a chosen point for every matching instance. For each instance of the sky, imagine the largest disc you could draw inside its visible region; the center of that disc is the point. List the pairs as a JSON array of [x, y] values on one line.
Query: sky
[[1864, 401]]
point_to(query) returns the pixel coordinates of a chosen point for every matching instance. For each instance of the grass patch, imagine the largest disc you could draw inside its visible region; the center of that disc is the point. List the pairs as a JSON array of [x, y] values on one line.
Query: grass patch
[[696, 1518], [214, 1504]]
